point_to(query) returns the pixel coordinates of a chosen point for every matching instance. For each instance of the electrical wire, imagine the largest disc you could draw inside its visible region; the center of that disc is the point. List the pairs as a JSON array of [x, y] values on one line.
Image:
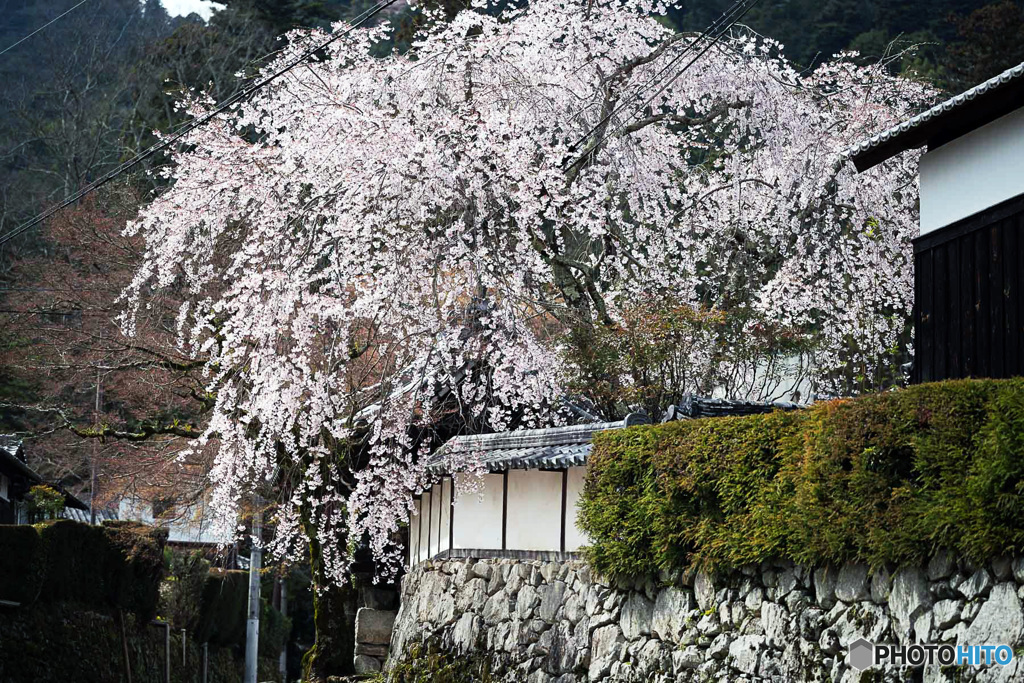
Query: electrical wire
[[737, 10], [669, 82], [196, 123], [11, 47], [719, 27]]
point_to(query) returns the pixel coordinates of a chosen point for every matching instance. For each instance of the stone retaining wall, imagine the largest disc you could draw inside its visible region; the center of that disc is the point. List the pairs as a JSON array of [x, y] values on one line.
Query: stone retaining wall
[[375, 620], [547, 622]]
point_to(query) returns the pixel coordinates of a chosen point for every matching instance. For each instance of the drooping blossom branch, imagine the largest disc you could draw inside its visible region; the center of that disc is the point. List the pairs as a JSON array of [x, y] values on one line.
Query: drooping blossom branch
[[367, 228]]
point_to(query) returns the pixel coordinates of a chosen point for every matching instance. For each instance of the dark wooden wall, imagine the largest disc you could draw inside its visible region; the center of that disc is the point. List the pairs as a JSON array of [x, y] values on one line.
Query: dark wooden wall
[[969, 311]]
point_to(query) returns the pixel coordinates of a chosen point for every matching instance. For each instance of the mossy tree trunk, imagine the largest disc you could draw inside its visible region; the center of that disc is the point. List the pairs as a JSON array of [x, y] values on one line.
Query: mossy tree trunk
[[334, 610]]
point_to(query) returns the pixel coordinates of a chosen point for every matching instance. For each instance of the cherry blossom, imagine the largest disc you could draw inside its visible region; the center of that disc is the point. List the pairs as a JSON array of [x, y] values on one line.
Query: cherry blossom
[[367, 233]]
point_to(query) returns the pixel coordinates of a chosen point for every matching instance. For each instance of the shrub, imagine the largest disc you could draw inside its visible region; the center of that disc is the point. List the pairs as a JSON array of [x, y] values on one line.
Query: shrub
[[45, 502], [223, 607], [223, 610], [182, 590], [102, 567], [664, 348], [885, 478], [22, 564]]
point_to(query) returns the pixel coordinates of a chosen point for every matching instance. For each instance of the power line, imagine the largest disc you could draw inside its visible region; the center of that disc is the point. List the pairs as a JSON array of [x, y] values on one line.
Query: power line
[[11, 47], [717, 25], [679, 73], [715, 31], [142, 156], [43, 311]]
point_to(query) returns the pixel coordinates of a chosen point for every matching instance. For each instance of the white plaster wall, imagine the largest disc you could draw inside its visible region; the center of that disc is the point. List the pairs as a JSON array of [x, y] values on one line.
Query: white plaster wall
[[446, 522], [534, 510], [435, 519], [414, 532], [788, 381], [477, 518], [192, 524], [973, 172], [574, 537], [425, 501]]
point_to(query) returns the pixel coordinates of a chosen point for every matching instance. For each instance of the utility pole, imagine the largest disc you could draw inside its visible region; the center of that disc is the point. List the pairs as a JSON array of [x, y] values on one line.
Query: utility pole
[[282, 662], [252, 625], [92, 463]]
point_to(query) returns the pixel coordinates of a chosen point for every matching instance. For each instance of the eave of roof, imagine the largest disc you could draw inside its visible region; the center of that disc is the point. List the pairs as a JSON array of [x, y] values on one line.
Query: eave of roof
[[946, 121], [73, 501], [561, 447], [13, 462], [550, 448]]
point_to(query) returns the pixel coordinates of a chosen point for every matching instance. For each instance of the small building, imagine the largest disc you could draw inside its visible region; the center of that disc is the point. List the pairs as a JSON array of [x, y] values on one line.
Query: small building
[[16, 478], [526, 504], [969, 257], [527, 499], [187, 524]]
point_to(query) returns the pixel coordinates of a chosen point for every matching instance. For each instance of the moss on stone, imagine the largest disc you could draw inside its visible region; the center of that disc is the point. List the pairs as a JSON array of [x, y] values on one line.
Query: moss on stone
[[429, 663]]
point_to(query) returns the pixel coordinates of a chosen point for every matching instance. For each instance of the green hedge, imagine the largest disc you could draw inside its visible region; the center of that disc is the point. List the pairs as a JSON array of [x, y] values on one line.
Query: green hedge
[[885, 478], [222, 607], [115, 566], [223, 610]]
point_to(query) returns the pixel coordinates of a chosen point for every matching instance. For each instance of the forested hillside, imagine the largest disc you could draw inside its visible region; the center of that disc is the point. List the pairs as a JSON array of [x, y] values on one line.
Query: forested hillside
[[816, 29]]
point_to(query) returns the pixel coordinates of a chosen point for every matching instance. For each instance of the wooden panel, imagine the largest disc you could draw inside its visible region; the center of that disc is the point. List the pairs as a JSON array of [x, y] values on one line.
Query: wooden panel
[[1014, 291], [940, 313], [924, 322], [969, 282], [954, 282]]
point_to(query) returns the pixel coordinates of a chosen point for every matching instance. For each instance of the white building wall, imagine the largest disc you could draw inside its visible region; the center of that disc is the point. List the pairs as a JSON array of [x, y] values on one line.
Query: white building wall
[[478, 516], [435, 519], [534, 510], [414, 532], [973, 172], [425, 500], [574, 537], [446, 520], [193, 524]]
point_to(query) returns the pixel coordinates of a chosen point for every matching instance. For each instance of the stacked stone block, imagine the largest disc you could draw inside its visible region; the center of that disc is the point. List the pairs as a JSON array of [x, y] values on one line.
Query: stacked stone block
[[556, 622]]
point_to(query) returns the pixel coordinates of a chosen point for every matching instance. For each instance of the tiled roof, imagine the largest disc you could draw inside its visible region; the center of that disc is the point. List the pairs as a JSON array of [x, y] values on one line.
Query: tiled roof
[[895, 135], [551, 448], [693, 407], [12, 457], [559, 447], [80, 515]]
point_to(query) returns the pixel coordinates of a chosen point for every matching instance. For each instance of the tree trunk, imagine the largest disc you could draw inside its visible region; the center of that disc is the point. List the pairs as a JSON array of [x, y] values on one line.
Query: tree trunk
[[334, 616]]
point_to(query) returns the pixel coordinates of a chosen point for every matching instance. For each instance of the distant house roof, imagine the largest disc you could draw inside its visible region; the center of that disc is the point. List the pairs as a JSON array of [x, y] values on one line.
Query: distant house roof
[[694, 407], [551, 448], [12, 458], [946, 121], [83, 514]]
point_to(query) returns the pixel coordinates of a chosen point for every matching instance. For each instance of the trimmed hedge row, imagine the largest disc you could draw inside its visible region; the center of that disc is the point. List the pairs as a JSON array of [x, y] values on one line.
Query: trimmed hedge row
[[885, 478], [222, 607], [223, 610], [118, 565]]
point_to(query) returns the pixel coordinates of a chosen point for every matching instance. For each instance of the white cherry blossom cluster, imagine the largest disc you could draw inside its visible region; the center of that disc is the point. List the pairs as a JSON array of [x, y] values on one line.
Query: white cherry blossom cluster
[[368, 233]]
